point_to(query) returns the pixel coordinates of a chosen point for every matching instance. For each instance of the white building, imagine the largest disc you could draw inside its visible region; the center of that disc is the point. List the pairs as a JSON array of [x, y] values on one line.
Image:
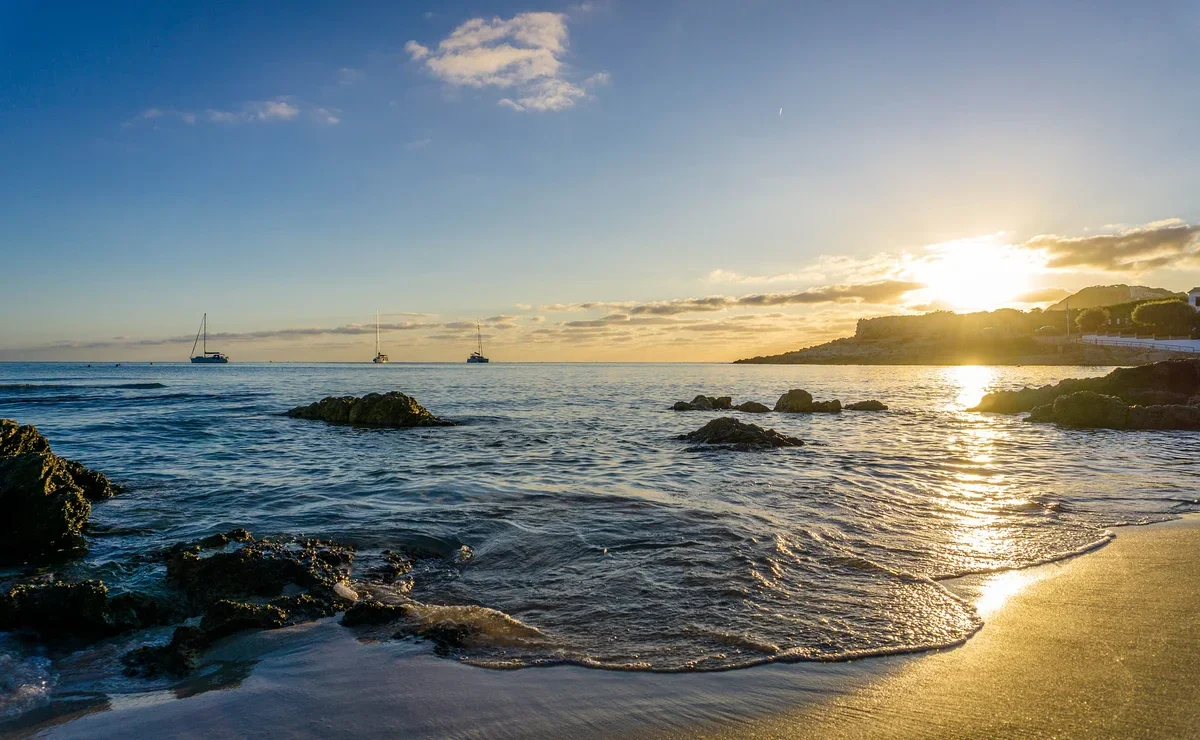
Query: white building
[[1194, 298]]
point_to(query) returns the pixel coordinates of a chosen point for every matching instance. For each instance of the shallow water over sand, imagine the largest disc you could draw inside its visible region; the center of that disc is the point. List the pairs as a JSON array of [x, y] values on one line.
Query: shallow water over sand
[[591, 535]]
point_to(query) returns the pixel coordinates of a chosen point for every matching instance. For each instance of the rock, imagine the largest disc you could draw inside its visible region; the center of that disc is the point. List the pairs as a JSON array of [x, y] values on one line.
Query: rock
[[705, 403], [43, 498], [795, 401], [739, 435], [871, 405], [81, 610], [177, 658], [42, 510], [371, 612], [1089, 410], [220, 540], [259, 568], [753, 407], [392, 409], [827, 407], [1172, 382], [226, 617]]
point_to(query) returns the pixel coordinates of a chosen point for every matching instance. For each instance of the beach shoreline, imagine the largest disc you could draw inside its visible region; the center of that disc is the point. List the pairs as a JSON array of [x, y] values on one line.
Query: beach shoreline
[[1052, 625]]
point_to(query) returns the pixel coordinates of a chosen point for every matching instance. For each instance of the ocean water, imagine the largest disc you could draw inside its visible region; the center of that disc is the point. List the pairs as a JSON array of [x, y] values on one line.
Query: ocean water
[[575, 527]]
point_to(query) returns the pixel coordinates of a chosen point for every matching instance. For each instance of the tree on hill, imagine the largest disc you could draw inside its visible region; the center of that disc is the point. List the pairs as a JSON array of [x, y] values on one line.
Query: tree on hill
[[1092, 319], [1165, 317]]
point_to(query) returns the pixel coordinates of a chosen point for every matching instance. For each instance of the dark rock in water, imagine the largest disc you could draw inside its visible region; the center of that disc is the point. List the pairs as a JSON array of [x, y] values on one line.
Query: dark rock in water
[[827, 407], [739, 435], [227, 617], [43, 498], [41, 508], [220, 540], [392, 409], [370, 612], [752, 407], [177, 658], [1088, 410], [795, 401], [705, 403], [81, 610], [871, 405], [259, 568], [1173, 382]]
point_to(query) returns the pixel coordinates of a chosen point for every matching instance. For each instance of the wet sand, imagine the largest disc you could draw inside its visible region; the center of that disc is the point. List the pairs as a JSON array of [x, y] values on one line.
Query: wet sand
[[1104, 645]]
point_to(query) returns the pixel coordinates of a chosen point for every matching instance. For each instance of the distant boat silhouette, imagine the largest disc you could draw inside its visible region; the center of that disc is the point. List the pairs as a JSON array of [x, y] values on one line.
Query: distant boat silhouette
[[205, 356], [380, 358], [477, 355]]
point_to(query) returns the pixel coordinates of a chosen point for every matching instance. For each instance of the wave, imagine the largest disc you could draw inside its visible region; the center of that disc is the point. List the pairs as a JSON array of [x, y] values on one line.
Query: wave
[[72, 386]]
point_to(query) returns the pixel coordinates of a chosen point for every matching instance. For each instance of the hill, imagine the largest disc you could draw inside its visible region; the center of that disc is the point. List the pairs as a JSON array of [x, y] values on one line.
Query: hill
[[1109, 295]]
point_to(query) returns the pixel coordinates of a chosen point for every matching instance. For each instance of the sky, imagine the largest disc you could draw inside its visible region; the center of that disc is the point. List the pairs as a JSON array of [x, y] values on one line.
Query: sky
[[593, 181]]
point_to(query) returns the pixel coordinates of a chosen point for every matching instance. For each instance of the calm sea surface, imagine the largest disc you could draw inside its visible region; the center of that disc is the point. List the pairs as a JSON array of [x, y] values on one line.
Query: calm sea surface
[[576, 527]]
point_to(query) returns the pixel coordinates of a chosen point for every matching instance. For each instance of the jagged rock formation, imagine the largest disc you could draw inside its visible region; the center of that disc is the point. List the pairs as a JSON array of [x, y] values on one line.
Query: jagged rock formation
[[705, 403], [44, 499], [1090, 410], [392, 409]]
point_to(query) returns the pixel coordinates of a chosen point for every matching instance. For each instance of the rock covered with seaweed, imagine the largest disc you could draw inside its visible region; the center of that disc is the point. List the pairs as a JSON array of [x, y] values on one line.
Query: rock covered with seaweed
[[45, 500], [392, 409]]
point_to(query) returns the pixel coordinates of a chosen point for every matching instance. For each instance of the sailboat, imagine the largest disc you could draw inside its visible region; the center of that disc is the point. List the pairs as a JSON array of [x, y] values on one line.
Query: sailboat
[[477, 355], [205, 356], [380, 358]]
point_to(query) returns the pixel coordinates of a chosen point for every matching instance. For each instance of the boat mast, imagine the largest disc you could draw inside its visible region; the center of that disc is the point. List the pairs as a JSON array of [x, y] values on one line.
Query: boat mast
[[479, 336], [376, 333], [197, 337]]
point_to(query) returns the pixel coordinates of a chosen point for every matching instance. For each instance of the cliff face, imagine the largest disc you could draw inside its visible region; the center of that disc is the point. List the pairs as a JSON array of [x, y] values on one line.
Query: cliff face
[[1108, 295]]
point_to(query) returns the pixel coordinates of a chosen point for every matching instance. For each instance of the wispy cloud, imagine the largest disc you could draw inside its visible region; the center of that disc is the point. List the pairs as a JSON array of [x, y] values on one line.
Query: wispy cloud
[[348, 76], [523, 54], [274, 110], [418, 144]]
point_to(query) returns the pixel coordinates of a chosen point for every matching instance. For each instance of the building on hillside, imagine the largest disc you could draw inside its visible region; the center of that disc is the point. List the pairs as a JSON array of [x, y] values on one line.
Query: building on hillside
[[1194, 298]]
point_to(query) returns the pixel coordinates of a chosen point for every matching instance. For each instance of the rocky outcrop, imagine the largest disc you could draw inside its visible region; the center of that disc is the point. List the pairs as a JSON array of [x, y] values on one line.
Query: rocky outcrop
[[752, 407], [44, 499], [1090, 410], [799, 401], [1173, 382], [735, 434], [244, 588], [55, 609], [871, 405], [392, 409], [705, 403]]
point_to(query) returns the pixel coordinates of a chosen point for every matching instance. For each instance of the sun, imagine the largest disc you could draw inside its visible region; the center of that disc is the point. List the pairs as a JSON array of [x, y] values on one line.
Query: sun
[[976, 274]]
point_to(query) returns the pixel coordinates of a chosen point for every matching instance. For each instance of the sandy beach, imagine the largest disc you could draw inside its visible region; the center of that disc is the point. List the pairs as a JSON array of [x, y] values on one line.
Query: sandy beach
[[1103, 645]]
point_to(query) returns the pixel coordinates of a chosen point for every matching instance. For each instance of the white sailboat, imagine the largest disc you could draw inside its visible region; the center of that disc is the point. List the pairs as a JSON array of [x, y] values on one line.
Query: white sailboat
[[380, 358], [206, 357], [477, 355]]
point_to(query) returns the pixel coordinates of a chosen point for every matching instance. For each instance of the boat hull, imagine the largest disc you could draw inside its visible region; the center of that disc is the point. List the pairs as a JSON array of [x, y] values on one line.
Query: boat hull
[[476, 360], [202, 360]]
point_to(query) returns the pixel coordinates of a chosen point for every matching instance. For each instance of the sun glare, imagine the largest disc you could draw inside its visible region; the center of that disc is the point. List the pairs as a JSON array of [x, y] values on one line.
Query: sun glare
[[975, 274]]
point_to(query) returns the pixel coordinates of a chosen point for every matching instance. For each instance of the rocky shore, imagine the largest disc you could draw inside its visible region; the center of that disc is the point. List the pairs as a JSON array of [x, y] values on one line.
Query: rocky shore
[[795, 401]]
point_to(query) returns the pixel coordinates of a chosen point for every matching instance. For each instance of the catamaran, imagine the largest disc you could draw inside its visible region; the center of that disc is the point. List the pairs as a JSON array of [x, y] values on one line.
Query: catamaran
[[477, 355], [380, 358], [205, 356]]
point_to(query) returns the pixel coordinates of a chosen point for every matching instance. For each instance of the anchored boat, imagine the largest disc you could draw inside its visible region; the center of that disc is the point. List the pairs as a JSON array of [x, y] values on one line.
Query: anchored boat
[[206, 357], [477, 355], [380, 358]]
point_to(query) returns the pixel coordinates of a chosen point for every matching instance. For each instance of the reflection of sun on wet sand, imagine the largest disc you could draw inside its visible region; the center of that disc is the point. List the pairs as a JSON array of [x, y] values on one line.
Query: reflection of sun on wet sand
[[1106, 645]]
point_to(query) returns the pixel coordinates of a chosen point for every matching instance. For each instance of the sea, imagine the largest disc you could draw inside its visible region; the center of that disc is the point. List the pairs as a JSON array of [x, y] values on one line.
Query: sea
[[573, 526]]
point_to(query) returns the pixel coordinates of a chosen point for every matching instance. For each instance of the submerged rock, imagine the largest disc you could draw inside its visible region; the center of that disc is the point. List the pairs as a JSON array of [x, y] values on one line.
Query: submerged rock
[[740, 435], [1173, 382], [705, 403], [1090, 410], [44, 499], [392, 409], [827, 407], [871, 405]]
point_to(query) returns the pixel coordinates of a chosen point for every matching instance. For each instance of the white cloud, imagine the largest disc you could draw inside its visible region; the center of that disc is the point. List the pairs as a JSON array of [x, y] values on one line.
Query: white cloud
[[349, 75], [272, 110], [523, 54]]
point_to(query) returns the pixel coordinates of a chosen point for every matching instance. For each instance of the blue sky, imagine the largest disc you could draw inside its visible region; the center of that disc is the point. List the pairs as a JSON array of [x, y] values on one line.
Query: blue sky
[[298, 167]]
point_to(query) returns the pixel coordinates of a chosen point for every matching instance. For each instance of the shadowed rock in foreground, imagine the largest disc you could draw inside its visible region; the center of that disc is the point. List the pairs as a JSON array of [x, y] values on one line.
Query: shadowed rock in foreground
[[44, 499], [1173, 382], [392, 409], [739, 435], [1089, 410]]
